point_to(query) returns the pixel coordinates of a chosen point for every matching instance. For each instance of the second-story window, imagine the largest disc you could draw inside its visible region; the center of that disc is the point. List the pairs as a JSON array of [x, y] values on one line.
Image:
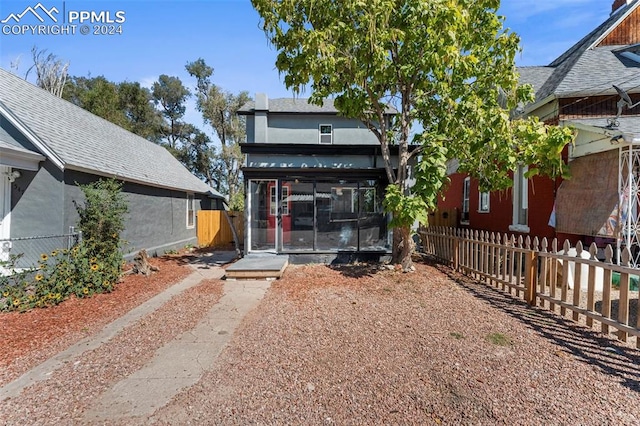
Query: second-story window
[[326, 133]]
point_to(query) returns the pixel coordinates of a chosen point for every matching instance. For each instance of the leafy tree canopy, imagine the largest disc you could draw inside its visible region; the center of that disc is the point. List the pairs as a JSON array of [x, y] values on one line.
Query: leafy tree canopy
[[445, 65]]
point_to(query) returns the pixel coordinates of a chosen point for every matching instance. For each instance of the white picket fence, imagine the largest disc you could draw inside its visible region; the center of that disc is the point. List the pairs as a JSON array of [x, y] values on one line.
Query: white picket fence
[[570, 279]]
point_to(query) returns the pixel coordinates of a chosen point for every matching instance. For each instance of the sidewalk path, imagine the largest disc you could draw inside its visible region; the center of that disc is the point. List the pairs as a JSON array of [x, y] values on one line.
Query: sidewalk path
[[178, 364], [183, 361]]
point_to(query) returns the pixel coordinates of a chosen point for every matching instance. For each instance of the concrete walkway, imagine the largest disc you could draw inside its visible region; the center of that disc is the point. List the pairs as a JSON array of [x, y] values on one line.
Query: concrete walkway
[[178, 364]]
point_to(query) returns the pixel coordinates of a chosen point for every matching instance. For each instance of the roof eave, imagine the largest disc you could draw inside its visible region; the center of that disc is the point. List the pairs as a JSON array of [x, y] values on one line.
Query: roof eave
[[529, 108], [31, 136], [20, 159], [133, 180]]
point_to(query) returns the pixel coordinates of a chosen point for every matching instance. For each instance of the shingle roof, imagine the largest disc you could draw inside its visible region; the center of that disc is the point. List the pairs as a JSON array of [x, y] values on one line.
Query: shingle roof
[[84, 141], [596, 70], [574, 71], [535, 76], [297, 106]]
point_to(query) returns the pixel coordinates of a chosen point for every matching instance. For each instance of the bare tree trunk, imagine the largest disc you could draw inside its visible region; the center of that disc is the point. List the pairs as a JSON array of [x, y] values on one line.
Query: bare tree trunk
[[403, 247]]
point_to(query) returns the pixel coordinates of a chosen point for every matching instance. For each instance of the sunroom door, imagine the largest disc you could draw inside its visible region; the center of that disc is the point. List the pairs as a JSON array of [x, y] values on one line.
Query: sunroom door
[[263, 215]]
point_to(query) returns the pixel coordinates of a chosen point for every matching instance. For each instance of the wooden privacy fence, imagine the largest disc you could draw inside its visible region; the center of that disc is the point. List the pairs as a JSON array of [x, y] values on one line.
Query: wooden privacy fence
[[213, 228], [569, 279]]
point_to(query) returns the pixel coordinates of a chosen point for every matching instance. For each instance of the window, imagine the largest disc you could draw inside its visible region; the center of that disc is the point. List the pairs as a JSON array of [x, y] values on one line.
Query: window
[[326, 133], [520, 200], [284, 201], [342, 200], [483, 202], [466, 191], [191, 211]]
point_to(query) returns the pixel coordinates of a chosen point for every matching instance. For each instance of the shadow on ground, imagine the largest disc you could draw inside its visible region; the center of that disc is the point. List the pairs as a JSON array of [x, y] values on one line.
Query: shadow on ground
[[205, 259], [585, 344]]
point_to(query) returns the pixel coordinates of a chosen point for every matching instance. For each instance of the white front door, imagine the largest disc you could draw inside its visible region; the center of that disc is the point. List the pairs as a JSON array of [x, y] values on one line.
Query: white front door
[[5, 212]]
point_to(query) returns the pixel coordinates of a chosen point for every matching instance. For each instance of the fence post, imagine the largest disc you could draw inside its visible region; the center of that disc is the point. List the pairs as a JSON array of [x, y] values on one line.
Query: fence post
[[531, 266], [456, 252]]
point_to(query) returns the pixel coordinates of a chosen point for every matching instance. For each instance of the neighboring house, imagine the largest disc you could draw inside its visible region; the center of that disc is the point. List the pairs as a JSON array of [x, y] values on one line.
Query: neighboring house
[[48, 146], [577, 90], [314, 180]]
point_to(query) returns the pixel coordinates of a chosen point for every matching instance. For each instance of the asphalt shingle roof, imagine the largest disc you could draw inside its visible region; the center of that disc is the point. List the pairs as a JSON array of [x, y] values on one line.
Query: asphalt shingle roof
[[87, 142], [535, 76], [584, 70], [296, 105]]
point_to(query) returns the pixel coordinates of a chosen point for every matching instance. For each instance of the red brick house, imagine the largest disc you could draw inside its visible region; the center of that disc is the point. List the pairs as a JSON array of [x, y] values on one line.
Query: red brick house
[[600, 202]]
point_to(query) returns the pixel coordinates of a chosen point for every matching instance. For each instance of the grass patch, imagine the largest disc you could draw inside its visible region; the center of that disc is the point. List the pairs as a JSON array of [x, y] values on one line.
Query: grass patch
[[456, 335], [499, 339]]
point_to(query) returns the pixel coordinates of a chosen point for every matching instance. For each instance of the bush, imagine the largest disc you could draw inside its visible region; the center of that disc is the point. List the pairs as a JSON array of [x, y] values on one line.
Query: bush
[[93, 266]]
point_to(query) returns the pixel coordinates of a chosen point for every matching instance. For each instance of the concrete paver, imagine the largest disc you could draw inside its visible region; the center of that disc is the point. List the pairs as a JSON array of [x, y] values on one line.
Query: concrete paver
[[183, 361]]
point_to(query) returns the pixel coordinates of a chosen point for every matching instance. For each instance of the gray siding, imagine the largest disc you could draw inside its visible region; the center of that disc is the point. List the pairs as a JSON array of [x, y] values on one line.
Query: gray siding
[[304, 129], [157, 218], [37, 200]]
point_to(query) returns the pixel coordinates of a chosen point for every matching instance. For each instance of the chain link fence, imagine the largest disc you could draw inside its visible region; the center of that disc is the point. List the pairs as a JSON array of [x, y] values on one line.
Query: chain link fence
[[27, 250]]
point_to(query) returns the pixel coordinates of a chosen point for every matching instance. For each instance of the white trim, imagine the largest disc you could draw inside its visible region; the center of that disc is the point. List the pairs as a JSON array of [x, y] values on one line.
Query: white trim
[[520, 186], [191, 199], [466, 195], [33, 138], [20, 158], [480, 210], [519, 228], [5, 212]]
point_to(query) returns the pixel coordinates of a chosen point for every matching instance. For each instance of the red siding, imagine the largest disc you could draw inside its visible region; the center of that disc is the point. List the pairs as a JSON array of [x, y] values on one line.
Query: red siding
[[500, 215]]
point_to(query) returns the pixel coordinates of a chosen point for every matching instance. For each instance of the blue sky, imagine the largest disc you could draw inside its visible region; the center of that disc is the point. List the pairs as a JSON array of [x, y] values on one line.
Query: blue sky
[[161, 36]]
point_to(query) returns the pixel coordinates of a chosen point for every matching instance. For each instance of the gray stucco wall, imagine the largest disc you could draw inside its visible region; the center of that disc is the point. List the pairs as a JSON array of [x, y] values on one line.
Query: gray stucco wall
[[37, 200], [304, 129], [156, 220]]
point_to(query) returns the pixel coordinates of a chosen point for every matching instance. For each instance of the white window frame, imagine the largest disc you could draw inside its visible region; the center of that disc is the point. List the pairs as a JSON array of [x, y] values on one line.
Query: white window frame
[[285, 200], [191, 211], [520, 217], [466, 199], [482, 206], [321, 133]]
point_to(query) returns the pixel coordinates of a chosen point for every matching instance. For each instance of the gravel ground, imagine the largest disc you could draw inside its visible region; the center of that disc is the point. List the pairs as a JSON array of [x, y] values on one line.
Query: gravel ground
[[70, 390], [359, 345]]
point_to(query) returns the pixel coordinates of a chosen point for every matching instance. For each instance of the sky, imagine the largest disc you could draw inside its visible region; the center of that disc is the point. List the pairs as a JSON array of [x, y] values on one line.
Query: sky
[[153, 37]]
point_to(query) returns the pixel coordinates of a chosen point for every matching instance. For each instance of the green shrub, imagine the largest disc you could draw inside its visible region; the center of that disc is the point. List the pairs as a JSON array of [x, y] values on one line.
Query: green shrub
[[92, 266]]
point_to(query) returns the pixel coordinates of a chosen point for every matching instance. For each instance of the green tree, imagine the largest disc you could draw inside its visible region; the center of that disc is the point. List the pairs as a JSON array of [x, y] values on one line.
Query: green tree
[[171, 96], [219, 109], [447, 66], [126, 104]]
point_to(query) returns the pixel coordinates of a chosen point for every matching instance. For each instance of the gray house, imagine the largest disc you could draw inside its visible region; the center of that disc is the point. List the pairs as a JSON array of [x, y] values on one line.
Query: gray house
[[314, 181], [48, 146]]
